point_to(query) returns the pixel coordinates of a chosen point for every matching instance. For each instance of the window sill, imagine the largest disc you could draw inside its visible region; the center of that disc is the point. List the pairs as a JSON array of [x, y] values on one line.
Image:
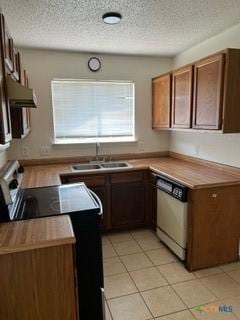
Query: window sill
[[94, 140]]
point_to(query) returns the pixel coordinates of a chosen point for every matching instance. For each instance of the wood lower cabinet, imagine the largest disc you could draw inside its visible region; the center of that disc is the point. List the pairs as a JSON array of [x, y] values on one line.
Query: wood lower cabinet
[[124, 197], [41, 287], [161, 101], [213, 227], [128, 205], [182, 81], [100, 185], [208, 93]]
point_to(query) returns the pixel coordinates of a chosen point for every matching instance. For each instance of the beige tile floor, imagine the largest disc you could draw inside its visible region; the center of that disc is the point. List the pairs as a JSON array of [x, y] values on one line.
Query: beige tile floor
[[144, 280]]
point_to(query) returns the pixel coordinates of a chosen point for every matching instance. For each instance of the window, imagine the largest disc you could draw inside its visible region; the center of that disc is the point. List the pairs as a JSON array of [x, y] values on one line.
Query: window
[[90, 111]]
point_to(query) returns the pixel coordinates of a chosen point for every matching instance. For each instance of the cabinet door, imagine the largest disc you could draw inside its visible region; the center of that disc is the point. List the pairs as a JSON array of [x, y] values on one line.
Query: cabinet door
[[161, 99], [16, 65], [127, 204], [5, 122], [208, 93], [213, 227], [20, 117], [182, 97], [7, 46], [26, 111]]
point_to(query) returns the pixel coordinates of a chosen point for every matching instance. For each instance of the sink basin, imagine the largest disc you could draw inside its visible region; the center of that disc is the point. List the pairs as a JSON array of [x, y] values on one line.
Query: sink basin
[[100, 166], [86, 167], [114, 165]]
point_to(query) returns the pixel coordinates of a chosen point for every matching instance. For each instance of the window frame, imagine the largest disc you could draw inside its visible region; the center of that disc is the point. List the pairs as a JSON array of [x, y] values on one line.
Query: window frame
[[69, 141]]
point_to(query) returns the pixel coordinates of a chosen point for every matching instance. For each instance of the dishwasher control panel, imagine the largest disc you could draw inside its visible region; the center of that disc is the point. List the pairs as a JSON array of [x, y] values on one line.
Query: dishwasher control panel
[[173, 188]]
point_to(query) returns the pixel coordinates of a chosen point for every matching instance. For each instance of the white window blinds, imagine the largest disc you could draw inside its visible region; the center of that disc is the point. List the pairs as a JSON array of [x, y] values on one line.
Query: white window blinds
[[93, 110]]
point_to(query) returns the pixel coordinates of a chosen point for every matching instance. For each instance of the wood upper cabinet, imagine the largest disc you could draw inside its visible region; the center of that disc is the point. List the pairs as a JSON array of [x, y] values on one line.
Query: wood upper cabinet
[[208, 93], [161, 101], [182, 81], [20, 117], [16, 65], [7, 47], [5, 121]]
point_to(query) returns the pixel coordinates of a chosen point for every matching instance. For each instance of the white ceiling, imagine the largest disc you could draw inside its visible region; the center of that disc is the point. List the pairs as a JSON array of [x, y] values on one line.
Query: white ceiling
[[149, 27]]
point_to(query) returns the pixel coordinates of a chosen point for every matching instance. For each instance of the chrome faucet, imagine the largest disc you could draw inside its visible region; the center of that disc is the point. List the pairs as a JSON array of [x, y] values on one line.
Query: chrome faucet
[[97, 150]]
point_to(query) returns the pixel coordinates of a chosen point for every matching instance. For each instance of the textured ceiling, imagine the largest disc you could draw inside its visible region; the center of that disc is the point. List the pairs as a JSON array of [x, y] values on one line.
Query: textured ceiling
[[151, 27]]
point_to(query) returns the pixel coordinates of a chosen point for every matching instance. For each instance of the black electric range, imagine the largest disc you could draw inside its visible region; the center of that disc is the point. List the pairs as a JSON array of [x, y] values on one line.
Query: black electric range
[[85, 210]]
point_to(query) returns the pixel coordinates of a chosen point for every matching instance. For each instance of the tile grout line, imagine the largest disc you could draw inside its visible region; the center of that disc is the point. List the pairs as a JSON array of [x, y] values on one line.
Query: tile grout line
[[149, 289], [168, 283], [138, 291]]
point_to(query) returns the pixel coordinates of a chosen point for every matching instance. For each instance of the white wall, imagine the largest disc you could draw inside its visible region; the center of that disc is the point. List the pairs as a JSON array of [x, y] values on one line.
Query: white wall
[[43, 66], [211, 146]]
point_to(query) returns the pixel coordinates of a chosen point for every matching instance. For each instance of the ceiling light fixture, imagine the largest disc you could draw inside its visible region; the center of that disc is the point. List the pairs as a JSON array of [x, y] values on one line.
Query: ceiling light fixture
[[112, 17]]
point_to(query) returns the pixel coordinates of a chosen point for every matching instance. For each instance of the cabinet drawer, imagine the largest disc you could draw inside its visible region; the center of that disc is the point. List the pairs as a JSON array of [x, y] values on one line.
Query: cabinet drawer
[[127, 177], [88, 180]]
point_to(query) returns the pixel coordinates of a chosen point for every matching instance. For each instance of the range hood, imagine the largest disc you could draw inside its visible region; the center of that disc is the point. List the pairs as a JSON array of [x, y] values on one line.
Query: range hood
[[20, 96]]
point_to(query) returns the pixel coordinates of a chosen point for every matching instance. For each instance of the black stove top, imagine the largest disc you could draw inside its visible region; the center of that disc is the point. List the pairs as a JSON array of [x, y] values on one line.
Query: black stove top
[[50, 201]]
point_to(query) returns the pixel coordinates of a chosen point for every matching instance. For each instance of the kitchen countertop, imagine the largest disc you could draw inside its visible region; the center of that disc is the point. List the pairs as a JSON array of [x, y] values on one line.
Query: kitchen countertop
[[33, 234], [190, 174]]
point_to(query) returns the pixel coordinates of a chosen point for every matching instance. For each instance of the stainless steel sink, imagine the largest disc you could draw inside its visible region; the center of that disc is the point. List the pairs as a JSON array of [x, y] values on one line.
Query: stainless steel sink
[[113, 165], [100, 166], [85, 167]]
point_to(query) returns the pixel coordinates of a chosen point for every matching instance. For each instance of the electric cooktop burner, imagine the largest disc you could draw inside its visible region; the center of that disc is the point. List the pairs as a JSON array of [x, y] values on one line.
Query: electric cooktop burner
[[48, 201]]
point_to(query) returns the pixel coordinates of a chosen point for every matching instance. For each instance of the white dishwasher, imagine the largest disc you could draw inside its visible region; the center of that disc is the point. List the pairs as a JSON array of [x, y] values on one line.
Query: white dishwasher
[[172, 215]]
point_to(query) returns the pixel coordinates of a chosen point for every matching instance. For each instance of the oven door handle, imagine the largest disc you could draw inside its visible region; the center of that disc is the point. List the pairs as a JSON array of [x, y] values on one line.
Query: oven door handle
[[97, 199]]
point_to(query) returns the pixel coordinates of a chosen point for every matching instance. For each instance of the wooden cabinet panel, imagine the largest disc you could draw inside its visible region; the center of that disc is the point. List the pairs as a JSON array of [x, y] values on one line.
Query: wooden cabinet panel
[[213, 227], [231, 112], [16, 65], [182, 97], [161, 100], [5, 121], [41, 287], [127, 176], [89, 180], [124, 196], [208, 93], [20, 117], [7, 46], [127, 205]]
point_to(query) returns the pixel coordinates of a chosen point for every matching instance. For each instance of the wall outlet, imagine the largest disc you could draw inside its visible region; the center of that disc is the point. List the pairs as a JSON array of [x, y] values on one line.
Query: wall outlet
[[25, 152], [44, 151], [141, 145]]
